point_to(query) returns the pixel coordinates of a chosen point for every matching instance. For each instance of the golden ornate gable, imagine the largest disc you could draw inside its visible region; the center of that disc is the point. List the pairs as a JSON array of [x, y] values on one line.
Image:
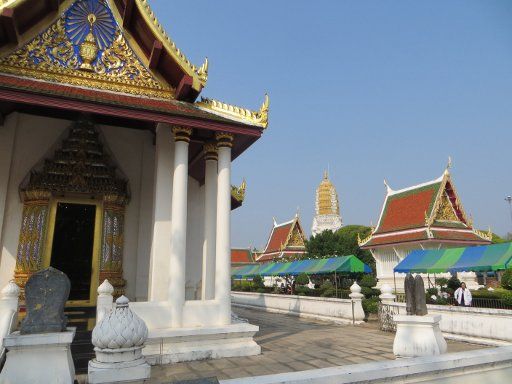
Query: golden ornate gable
[[446, 211], [296, 236], [85, 47]]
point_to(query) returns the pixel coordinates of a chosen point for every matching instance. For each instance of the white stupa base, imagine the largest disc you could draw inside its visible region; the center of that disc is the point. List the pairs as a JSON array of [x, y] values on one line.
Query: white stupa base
[[173, 345], [39, 358], [418, 336]]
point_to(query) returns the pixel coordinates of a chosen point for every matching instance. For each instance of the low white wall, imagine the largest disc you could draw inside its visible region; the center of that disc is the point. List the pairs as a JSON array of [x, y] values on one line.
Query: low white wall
[[478, 366], [479, 325], [337, 310]]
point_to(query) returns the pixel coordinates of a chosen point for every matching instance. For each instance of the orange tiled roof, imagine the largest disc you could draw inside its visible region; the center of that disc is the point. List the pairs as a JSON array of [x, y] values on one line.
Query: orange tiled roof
[[407, 210], [241, 255]]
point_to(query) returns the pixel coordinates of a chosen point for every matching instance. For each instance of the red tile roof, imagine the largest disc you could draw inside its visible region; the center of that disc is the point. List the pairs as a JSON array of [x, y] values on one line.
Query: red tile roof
[[407, 209], [417, 208], [458, 235], [278, 237], [398, 238], [241, 255]]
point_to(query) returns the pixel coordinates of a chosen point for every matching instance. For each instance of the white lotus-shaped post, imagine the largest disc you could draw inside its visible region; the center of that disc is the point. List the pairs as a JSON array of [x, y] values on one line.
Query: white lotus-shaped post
[[118, 340]]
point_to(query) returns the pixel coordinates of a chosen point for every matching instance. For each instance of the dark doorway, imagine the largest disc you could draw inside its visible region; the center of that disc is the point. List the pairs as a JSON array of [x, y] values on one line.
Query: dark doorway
[[72, 248]]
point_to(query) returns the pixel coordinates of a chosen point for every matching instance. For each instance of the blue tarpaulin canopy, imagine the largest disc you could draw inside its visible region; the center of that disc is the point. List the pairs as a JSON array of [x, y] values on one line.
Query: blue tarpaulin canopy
[[482, 258], [340, 264]]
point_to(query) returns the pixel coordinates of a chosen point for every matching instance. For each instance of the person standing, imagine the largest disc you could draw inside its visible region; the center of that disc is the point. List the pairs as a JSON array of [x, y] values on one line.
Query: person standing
[[463, 296]]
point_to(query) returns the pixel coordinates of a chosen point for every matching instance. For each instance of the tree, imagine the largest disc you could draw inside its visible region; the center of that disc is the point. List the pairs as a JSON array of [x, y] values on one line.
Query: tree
[[341, 243]]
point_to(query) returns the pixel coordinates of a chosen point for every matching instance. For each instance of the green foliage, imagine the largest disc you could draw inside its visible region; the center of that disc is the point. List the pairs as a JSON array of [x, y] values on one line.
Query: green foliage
[[506, 279], [507, 299], [261, 290], [370, 292], [442, 282], [302, 279], [327, 289], [304, 291], [341, 243], [257, 282], [453, 283], [368, 281], [370, 306], [432, 291]]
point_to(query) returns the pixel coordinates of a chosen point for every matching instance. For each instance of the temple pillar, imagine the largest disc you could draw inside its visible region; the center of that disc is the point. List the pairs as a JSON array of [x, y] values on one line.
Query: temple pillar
[[223, 242], [210, 221], [161, 243], [177, 273]]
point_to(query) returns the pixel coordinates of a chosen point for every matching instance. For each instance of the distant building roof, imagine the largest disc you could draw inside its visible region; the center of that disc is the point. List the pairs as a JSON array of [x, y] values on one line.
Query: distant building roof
[[286, 241], [429, 211], [240, 256]]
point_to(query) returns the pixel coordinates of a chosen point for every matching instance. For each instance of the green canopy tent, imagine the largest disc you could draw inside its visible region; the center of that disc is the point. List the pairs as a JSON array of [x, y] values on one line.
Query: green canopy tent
[[484, 258], [333, 265]]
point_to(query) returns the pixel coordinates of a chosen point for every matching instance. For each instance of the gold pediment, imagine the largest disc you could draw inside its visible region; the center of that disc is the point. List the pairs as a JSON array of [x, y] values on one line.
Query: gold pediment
[[87, 48], [446, 212]]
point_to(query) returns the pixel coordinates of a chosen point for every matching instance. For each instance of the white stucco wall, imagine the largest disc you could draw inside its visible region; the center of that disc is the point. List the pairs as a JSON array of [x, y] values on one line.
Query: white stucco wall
[[34, 139], [27, 140]]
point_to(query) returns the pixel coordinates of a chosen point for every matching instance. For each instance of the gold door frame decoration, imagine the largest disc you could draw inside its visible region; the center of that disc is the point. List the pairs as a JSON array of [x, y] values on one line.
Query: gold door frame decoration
[[83, 172], [95, 270]]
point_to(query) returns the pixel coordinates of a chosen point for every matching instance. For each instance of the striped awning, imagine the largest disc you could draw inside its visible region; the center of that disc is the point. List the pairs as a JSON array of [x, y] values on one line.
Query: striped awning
[[341, 264], [482, 258]]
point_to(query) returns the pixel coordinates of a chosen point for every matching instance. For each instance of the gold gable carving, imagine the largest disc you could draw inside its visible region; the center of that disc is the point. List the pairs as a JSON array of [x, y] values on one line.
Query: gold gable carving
[[51, 56], [296, 239], [446, 211]]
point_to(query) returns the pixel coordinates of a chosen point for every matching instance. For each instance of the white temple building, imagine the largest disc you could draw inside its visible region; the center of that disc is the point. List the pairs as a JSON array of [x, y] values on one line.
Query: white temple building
[[327, 208], [111, 168]]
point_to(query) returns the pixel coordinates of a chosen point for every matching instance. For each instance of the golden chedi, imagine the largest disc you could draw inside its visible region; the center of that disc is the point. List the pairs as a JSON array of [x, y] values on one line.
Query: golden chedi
[[327, 208]]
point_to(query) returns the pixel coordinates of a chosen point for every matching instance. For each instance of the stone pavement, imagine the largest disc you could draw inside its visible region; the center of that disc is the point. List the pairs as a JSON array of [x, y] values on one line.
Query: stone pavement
[[291, 344]]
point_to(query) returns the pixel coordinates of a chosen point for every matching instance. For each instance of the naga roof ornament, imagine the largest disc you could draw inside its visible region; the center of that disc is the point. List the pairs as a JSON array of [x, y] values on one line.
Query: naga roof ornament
[[258, 118]]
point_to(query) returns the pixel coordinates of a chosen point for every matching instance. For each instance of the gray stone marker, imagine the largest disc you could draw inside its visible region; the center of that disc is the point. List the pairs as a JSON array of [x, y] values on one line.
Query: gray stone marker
[[421, 299], [46, 293], [415, 300]]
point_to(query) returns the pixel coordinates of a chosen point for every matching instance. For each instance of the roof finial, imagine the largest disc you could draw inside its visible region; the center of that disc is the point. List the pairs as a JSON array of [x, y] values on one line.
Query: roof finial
[[326, 174], [388, 188], [297, 213], [275, 222], [448, 166]]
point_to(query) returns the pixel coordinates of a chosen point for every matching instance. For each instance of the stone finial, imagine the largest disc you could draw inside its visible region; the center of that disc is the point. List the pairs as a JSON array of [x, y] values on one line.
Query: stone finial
[[120, 329], [118, 340], [355, 291], [10, 291], [105, 288], [386, 295]]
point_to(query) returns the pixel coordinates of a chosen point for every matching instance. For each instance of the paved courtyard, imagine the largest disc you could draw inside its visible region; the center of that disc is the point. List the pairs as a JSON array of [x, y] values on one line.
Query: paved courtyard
[[293, 344]]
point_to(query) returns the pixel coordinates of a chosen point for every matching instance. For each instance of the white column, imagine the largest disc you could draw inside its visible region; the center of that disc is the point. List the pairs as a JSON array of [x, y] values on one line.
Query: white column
[[161, 242], [223, 246], [210, 221], [176, 292]]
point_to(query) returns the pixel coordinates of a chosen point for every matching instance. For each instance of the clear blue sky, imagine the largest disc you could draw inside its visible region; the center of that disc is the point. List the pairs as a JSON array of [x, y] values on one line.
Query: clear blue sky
[[376, 89]]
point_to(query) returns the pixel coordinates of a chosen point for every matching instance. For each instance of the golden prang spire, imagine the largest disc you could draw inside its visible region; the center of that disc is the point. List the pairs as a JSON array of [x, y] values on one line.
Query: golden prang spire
[[327, 198]]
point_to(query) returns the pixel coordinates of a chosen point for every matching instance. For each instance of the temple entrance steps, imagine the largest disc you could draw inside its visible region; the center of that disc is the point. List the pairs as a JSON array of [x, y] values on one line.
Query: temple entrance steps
[[82, 350]]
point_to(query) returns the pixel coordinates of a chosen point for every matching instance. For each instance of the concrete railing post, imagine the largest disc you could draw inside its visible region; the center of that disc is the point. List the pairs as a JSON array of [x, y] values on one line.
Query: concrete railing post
[[357, 302], [105, 300], [386, 296]]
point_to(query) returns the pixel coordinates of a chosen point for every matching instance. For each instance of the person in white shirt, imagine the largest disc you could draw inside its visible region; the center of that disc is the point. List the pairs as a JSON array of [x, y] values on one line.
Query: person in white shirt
[[463, 296]]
